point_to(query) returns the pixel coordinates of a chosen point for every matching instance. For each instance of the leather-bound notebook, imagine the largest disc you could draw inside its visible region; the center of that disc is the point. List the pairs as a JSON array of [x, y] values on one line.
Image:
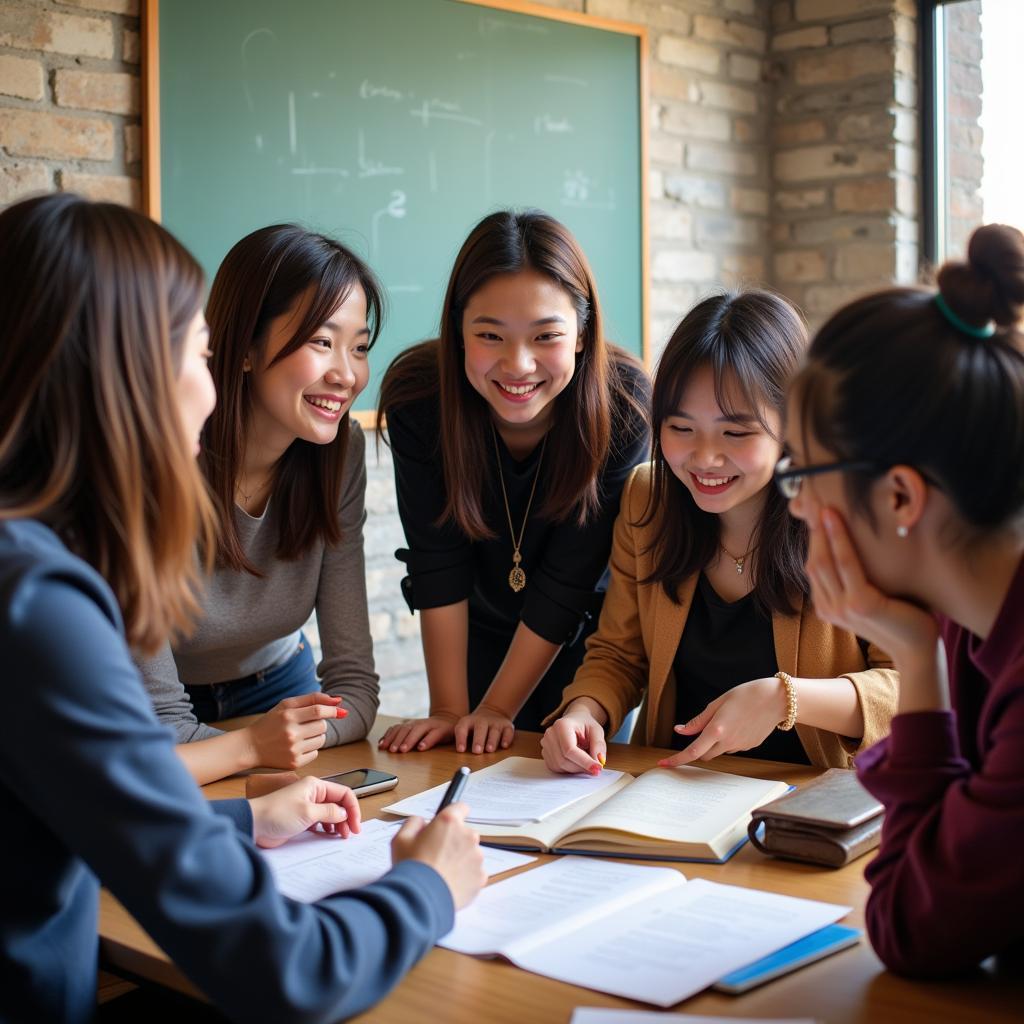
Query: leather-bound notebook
[[831, 820]]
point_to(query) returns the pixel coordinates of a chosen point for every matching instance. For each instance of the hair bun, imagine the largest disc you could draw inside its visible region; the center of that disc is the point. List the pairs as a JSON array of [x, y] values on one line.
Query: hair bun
[[990, 284]]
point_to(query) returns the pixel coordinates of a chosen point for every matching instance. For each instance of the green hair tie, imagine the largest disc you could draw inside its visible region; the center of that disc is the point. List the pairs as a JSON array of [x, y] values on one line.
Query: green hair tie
[[962, 325]]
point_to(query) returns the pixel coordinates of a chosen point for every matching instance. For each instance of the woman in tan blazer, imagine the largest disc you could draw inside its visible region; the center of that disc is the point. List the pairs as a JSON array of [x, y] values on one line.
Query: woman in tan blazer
[[706, 622]]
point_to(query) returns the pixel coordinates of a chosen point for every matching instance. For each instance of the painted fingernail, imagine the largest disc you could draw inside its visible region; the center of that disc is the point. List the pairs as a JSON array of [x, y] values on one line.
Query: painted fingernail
[[594, 769], [663, 764], [600, 758], [341, 713]]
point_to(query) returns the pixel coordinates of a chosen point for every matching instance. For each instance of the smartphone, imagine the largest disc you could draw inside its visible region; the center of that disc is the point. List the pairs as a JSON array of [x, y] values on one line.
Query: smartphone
[[364, 781]]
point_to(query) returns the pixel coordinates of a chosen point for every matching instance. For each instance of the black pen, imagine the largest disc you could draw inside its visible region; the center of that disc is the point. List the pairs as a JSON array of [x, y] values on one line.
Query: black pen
[[455, 788]]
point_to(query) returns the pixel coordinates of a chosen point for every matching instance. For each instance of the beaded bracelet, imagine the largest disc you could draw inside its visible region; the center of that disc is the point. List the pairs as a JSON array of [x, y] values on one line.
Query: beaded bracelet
[[790, 720]]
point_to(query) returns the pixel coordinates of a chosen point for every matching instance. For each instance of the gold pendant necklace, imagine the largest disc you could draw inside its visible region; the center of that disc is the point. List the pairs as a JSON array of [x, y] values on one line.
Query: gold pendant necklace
[[517, 577], [741, 561]]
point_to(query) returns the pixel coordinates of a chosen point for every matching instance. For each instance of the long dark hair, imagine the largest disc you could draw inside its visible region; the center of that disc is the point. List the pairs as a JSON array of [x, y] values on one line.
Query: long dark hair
[[891, 380], [752, 340], [94, 309], [584, 422], [262, 277]]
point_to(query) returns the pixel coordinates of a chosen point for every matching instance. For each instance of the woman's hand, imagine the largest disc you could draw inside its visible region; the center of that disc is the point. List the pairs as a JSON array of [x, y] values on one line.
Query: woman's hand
[[738, 720], [450, 847], [290, 733], [844, 596], [284, 813], [490, 728], [421, 733], [575, 743]]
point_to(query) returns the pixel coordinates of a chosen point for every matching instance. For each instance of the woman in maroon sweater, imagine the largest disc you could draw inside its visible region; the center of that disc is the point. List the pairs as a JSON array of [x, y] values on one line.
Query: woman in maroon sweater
[[906, 434]]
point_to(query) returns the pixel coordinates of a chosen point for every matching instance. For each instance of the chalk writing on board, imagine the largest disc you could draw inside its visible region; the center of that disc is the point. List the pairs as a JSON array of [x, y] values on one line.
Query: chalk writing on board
[[442, 110], [396, 209], [581, 191], [373, 168], [245, 46], [488, 26], [329, 172], [553, 125], [369, 91]]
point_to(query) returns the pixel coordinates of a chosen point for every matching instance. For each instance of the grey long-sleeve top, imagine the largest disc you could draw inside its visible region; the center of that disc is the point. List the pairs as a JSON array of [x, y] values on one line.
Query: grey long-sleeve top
[[251, 623]]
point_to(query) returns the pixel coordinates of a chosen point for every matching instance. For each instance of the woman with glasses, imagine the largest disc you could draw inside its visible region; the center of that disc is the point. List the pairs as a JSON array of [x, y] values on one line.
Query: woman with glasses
[[706, 620], [907, 433]]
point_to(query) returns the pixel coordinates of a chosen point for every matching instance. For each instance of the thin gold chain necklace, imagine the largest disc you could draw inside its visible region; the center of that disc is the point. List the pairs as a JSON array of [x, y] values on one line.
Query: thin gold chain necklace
[[517, 577]]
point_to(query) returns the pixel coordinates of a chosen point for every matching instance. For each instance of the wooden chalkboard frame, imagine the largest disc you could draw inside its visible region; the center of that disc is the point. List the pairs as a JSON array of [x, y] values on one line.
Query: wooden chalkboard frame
[[151, 128]]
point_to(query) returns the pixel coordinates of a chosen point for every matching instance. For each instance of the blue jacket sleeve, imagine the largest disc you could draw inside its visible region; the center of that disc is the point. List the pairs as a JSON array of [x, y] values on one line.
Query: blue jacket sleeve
[[82, 748]]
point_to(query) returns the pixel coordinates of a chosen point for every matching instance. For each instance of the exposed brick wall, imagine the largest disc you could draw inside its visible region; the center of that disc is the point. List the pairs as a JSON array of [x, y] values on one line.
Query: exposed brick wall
[[69, 98], [845, 149], [710, 173]]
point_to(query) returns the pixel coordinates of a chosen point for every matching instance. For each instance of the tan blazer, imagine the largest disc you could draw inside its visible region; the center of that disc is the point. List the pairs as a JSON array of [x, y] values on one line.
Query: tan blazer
[[629, 658]]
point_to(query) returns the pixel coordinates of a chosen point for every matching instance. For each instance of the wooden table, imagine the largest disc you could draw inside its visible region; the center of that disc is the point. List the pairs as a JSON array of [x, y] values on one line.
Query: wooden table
[[851, 986]]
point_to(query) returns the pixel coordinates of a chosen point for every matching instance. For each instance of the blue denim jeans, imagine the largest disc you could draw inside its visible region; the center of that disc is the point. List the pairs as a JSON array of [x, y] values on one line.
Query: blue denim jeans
[[259, 692]]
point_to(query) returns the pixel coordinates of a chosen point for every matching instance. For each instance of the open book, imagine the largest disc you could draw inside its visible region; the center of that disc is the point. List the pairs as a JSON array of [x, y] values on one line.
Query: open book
[[666, 814], [635, 931]]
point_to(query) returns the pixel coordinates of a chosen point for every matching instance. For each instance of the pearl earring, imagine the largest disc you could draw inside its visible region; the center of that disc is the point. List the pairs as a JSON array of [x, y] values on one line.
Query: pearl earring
[[902, 531]]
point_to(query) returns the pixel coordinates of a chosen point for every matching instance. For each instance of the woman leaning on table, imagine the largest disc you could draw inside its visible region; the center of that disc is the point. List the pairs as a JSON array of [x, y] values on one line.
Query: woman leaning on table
[[707, 622], [103, 358]]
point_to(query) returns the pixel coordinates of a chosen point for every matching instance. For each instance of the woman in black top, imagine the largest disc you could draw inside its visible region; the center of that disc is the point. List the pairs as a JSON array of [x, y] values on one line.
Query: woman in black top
[[513, 434]]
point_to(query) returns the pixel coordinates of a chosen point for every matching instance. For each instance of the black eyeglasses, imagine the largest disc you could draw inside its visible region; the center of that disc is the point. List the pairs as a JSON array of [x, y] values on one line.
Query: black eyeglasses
[[789, 479]]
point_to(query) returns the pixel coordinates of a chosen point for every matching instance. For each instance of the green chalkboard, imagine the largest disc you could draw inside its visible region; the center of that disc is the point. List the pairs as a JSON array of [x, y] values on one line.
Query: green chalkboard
[[395, 125]]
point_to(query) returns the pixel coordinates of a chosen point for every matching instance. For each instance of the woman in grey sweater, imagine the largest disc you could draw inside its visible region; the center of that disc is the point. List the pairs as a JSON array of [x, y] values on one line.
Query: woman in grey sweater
[[292, 317]]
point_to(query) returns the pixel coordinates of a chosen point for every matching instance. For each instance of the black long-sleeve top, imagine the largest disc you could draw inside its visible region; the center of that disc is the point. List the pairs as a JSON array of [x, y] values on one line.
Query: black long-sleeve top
[[563, 561]]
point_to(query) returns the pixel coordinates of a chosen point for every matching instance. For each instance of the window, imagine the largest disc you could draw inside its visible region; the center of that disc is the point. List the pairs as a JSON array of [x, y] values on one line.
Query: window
[[973, 81]]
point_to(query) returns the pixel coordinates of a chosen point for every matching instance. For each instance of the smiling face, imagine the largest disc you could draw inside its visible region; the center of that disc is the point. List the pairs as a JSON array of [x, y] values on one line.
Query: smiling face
[[521, 338], [305, 394], [724, 459], [196, 393]]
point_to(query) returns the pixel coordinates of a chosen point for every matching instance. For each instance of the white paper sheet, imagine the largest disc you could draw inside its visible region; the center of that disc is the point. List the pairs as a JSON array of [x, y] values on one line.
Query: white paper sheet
[[515, 791], [562, 895], [604, 1015], [314, 865], [639, 932]]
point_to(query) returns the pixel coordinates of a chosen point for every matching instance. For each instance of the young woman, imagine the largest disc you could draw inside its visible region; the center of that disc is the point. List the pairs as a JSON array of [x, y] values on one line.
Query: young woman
[[512, 434], [706, 618], [906, 429], [101, 505], [292, 317]]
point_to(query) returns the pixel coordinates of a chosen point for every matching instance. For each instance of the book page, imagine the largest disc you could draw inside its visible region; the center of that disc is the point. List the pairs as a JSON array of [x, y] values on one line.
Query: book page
[[515, 791], [546, 833], [667, 947], [314, 865], [683, 805], [546, 902]]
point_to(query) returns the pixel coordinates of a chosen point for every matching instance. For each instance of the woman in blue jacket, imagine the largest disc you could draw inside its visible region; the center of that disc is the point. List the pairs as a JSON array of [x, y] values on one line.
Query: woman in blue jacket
[[103, 358]]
